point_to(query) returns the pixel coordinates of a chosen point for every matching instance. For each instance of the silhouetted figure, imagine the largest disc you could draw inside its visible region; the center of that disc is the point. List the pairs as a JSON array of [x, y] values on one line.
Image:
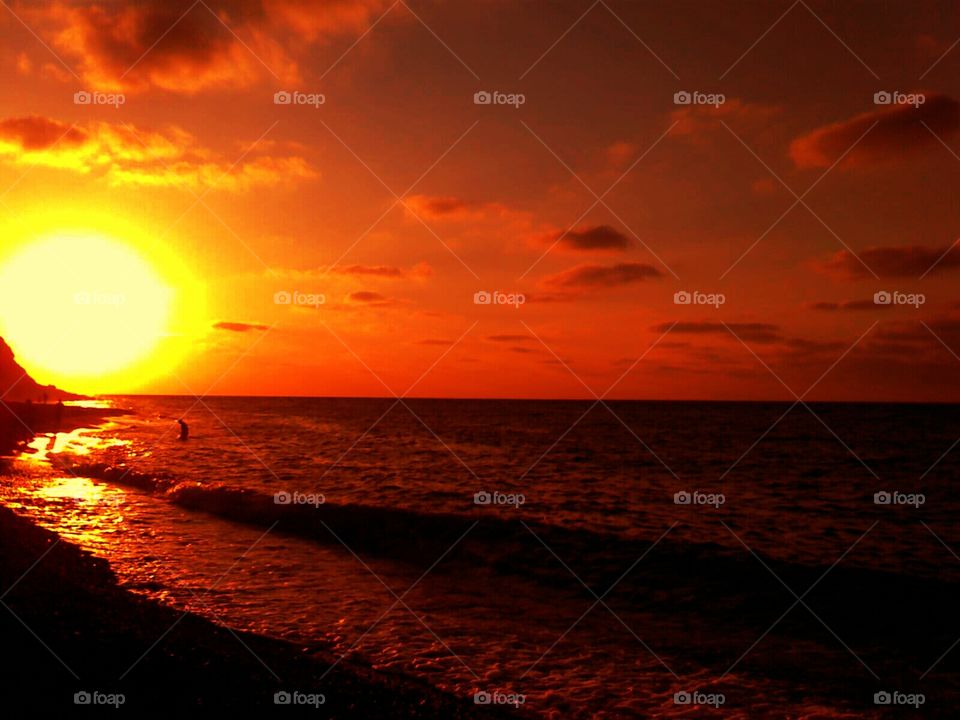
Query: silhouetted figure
[[58, 414], [184, 431]]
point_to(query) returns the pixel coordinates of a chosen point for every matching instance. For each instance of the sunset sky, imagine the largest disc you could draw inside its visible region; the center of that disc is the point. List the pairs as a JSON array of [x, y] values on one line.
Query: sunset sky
[[598, 198]]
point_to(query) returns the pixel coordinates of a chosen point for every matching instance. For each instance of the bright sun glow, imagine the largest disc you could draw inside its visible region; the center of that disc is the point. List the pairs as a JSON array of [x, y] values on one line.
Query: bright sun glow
[[81, 309]]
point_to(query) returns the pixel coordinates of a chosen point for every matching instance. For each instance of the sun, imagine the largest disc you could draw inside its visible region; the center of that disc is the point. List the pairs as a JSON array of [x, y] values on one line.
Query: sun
[[83, 310]]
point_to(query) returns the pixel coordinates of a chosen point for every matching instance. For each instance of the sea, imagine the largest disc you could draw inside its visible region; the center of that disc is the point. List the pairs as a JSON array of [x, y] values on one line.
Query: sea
[[567, 559]]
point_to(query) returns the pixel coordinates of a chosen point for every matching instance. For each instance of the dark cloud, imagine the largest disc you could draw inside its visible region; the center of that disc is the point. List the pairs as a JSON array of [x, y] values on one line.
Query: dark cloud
[[899, 131], [906, 261], [367, 296], [852, 305], [240, 327], [599, 237], [183, 46]]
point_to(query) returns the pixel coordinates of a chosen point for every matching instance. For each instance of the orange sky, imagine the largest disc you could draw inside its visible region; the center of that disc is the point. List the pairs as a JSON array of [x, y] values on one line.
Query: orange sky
[[399, 198]]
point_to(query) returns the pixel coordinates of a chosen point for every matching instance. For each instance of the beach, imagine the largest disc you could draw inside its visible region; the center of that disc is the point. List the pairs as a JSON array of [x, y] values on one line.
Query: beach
[[69, 629], [72, 635]]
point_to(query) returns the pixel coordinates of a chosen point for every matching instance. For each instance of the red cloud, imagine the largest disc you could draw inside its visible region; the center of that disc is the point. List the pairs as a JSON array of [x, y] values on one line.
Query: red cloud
[[390, 272], [601, 276], [897, 131], [186, 47]]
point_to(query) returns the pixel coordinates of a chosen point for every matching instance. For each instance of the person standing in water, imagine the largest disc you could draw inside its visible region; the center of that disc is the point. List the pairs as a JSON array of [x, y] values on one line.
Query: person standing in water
[[184, 430]]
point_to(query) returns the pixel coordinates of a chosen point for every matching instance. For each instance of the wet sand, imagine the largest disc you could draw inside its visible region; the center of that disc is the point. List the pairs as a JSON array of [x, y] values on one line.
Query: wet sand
[[68, 628]]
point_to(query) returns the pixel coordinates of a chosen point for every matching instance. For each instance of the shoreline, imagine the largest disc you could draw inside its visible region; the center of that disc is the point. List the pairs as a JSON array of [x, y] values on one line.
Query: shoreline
[[69, 628], [21, 421]]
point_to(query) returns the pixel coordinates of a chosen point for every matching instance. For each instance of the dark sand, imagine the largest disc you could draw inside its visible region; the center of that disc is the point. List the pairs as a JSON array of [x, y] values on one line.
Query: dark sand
[[67, 627]]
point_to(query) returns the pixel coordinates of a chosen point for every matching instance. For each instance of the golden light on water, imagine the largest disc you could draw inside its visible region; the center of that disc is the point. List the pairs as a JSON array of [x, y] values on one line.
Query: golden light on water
[[96, 310]]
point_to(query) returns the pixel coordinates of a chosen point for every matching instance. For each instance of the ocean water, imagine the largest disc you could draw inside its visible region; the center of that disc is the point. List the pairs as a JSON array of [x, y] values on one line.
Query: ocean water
[[594, 560]]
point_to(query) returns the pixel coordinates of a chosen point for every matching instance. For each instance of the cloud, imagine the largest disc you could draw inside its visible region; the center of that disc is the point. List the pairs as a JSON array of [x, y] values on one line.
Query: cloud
[[127, 155], [187, 48], [603, 276], [34, 133], [596, 238], [511, 338], [620, 152], [898, 131], [451, 208], [693, 121], [756, 332], [389, 272], [905, 261], [367, 296], [239, 326], [853, 305]]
